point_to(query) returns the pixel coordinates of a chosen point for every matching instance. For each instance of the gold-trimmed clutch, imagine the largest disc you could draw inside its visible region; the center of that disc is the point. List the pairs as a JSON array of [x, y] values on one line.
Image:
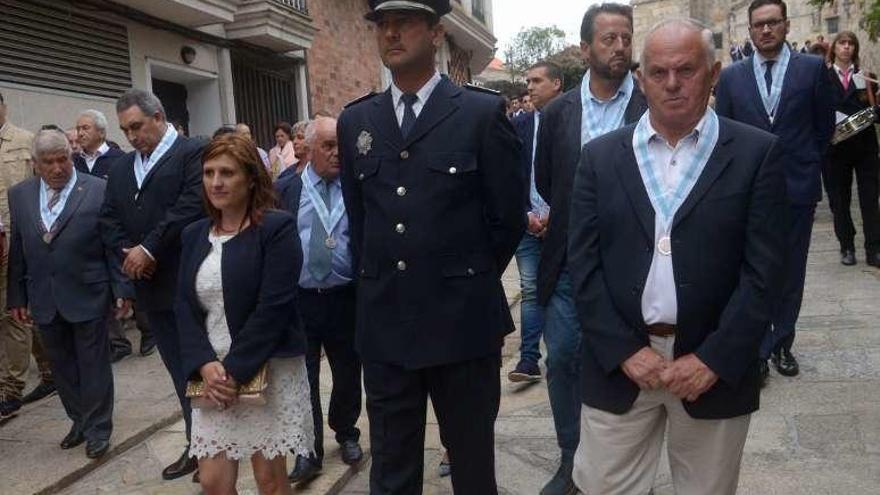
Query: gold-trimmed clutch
[[253, 392]]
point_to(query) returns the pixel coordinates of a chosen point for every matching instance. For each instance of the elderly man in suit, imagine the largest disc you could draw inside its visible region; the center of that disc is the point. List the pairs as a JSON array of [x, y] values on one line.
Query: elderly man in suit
[[62, 278], [96, 158], [435, 198], [327, 293], [154, 192], [545, 83], [788, 94], [606, 99], [675, 249]]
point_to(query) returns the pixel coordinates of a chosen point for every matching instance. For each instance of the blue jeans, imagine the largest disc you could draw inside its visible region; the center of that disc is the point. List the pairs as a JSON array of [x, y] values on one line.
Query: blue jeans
[[531, 313], [562, 334]]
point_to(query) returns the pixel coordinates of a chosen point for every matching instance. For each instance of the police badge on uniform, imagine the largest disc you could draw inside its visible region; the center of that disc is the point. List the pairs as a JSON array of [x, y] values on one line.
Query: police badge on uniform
[[364, 143]]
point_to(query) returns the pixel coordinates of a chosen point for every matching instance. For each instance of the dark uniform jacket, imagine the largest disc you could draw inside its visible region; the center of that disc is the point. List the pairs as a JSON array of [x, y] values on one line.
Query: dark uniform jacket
[[556, 159], [169, 200], [435, 219], [728, 244], [102, 164]]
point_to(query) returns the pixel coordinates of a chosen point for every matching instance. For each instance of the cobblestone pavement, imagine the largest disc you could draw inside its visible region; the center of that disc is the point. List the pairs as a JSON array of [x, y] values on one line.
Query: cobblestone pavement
[[818, 433]]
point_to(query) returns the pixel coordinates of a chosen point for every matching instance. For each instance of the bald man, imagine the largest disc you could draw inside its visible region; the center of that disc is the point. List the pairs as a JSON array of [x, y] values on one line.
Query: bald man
[[327, 294], [675, 248]]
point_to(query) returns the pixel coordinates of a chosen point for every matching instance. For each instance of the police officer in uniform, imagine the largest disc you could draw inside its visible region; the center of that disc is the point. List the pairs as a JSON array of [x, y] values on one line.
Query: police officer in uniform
[[434, 193]]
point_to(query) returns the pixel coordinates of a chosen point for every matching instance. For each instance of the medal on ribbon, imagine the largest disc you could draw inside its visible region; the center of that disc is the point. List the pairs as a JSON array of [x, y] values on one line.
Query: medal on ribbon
[[778, 70]]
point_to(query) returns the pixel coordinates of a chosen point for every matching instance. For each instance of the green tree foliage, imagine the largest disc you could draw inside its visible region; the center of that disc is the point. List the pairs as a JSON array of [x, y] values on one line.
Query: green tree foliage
[[870, 19], [572, 65], [532, 45]]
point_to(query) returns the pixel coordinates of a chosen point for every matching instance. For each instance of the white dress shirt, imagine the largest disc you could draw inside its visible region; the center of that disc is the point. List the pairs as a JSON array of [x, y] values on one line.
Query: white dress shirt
[[50, 216], [143, 164], [91, 159], [422, 94], [659, 299]]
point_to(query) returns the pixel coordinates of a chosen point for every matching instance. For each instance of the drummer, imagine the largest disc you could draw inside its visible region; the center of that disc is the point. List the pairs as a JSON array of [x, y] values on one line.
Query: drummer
[[851, 94]]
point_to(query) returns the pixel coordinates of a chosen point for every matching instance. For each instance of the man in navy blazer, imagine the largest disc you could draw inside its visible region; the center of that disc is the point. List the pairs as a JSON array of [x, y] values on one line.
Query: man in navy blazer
[[675, 249], [96, 158], [62, 277], [612, 100], [152, 194], [434, 194], [326, 294], [788, 94], [544, 81]]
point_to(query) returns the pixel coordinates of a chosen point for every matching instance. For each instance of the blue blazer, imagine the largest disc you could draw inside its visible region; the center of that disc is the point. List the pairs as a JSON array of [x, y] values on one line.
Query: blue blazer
[[102, 165], [170, 199], [728, 243], [524, 124], [260, 269], [74, 275], [804, 120]]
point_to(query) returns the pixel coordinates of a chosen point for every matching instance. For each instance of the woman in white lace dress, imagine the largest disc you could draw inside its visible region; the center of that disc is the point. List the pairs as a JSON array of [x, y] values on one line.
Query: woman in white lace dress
[[236, 311]]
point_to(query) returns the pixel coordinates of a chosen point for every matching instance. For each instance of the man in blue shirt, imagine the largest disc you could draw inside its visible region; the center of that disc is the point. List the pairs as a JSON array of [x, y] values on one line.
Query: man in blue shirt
[[327, 295]]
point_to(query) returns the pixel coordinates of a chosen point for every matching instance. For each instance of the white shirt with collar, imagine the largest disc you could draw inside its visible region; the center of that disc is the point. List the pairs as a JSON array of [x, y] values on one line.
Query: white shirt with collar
[[50, 216], [659, 299], [143, 165], [91, 159], [423, 94], [850, 71]]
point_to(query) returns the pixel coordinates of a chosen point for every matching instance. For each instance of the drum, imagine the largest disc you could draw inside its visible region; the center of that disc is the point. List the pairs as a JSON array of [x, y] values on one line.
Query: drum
[[854, 124]]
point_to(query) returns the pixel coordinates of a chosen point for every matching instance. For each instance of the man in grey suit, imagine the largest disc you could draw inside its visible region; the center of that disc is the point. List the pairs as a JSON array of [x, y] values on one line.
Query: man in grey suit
[[62, 278]]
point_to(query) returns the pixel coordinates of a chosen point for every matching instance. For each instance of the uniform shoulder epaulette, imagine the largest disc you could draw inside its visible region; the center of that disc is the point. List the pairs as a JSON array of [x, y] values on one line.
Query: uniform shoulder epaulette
[[482, 89], [361, 98]]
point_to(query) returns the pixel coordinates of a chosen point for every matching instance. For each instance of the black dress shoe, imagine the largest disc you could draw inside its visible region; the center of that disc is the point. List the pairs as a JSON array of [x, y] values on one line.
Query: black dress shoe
[[306, 469], [73, 438], [873, 259], [43, 390], [764, 372], [97, 448], [148, 346], [561, 483], [9, 407], [351, 452], [848, 257], [181, 467], [785, 363]]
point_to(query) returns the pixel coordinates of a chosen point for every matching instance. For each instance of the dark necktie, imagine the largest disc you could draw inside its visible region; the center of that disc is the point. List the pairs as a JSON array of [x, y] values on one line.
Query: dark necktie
[[319, 253], [54, 198], [768, 74], [409, 115]]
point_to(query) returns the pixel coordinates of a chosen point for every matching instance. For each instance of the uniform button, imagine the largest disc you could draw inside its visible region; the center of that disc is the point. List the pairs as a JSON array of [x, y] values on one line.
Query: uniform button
[[470, 272], [400, 228], [361, 177], [401, 265], [401, 191], [404, 155], [452, 170]]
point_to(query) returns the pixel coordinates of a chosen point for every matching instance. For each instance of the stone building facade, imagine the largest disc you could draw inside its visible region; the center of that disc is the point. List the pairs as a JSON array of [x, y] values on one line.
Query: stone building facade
[[728, 20]]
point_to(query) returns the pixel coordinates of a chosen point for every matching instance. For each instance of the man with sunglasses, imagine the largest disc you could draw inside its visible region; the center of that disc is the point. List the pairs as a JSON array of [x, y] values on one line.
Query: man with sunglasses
[[786, 93]]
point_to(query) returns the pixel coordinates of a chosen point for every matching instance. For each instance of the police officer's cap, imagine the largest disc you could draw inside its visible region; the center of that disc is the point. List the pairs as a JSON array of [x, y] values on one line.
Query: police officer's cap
[[437, 8]]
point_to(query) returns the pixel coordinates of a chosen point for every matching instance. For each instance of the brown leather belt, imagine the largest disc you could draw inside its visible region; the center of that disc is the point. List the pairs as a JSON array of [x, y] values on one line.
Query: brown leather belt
[[662, 329]]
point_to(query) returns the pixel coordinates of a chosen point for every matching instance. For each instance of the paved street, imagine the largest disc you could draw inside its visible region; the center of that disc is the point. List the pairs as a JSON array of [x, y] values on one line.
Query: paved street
[[816, 434]]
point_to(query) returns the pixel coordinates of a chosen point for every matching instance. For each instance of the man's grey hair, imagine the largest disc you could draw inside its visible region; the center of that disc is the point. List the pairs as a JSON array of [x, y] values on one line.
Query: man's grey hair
[[300, 126], [146, 101], [311, 133], [687, 24], [49, 142], [98, 118]]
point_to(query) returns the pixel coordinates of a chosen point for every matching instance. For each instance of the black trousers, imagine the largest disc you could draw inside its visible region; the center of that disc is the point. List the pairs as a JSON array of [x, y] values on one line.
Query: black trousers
[[465, 396], [116, 330], [80, 360], [163, 325], [329, 318], [858, 156]]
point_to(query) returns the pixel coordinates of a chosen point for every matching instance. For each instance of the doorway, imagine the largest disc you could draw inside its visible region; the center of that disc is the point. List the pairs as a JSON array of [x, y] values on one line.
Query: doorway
[[173, 97]]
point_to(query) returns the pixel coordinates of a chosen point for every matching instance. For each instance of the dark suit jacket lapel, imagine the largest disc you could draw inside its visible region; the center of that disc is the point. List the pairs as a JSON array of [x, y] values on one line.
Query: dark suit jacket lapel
[[636, 106], [440, 105], [787, 82], [294, 195], [385, 120], [530, 141], [631, 178], [73, 202], [574, 112], [34, 205], [757, 101], [162, 161], [718, 161]]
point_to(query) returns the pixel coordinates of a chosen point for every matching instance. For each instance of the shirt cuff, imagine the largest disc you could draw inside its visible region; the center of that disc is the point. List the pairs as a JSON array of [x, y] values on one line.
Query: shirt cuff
[[147, 251]]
